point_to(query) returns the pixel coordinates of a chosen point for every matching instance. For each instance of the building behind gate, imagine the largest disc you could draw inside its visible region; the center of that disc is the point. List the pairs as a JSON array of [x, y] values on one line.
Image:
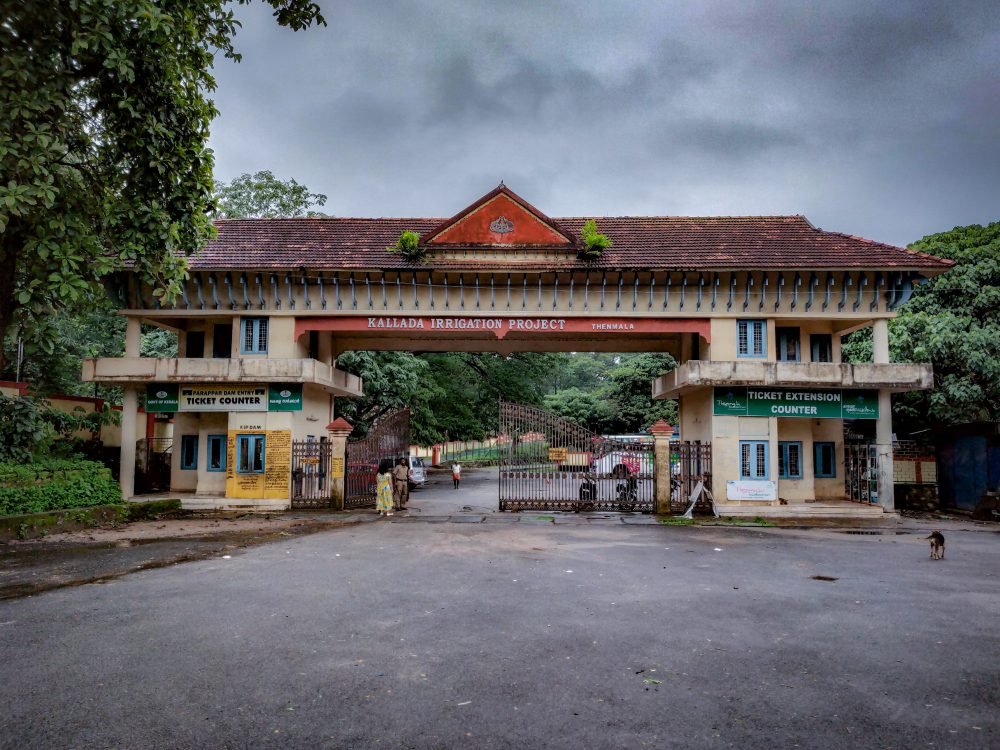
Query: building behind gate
[[752, 308]]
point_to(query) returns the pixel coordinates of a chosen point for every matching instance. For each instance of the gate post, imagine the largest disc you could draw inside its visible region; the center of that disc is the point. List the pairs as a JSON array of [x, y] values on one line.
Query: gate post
[[339, 429], [661, 432]]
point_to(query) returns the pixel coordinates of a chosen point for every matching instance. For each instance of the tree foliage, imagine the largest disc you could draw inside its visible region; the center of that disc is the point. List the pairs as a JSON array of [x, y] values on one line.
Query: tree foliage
[[103, 143], [264, 196], [953, 322], [593, 243]]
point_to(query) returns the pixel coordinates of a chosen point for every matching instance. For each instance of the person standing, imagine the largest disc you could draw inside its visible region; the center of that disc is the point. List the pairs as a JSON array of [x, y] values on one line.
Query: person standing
[[401, 483], [383, 488], [456, 473]]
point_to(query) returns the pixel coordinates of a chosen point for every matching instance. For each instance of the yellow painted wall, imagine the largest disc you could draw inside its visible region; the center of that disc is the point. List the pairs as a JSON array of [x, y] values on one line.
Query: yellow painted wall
[[275, 482], [315, 414]]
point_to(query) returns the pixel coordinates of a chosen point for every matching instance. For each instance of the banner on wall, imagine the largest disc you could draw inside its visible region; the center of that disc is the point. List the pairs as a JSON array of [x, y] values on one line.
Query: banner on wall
[[751, 489], [830, 403]]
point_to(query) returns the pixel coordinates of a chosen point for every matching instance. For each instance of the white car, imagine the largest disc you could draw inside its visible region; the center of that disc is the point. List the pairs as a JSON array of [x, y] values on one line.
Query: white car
[[623, 463], [418, 477]]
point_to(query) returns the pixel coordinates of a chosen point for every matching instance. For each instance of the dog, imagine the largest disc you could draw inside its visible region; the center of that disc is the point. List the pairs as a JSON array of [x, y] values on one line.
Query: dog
[[937, 545]]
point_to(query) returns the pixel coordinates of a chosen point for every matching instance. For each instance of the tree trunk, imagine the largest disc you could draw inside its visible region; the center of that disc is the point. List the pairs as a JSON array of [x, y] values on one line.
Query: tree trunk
[[11, 242]]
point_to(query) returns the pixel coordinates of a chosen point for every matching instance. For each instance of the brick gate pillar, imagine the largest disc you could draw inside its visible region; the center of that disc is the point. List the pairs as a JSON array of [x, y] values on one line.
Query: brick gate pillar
[[339, 429], [661, 464]]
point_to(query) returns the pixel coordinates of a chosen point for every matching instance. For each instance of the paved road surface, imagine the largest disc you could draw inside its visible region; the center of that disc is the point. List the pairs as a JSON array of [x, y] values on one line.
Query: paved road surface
[[499, 635]]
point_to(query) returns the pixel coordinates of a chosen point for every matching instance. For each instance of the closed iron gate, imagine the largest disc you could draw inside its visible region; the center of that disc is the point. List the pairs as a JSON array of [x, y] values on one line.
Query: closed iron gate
[[152, 465], [690, 463], [548, 462], [387, 440], [862, 472], [311, 473]]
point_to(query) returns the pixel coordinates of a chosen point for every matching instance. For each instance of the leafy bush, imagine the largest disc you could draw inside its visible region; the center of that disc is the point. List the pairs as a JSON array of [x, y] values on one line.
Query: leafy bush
[[55, 485], [30, 427], [408, 245], [593, 243]]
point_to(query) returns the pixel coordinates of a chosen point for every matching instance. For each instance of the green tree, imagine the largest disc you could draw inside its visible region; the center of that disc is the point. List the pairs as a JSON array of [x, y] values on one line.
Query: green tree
[[264, 196], [103, 143], [953, 322]]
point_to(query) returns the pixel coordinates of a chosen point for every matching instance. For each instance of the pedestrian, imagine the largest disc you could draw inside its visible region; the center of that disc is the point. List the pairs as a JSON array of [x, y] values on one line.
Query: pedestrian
[[401, 483], [383, 488], [456, 473]]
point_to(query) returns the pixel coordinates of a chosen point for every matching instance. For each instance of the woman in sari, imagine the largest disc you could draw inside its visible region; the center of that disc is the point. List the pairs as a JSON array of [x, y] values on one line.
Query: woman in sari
[[383, 488]]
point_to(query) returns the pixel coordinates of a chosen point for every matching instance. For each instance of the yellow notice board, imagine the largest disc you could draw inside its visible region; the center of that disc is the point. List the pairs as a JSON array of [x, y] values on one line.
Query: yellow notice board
[[558, 454], [275, 480], [337, 467]]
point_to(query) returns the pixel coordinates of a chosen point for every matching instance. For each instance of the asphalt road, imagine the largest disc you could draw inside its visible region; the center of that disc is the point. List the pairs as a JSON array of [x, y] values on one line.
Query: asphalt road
[[498, 635]]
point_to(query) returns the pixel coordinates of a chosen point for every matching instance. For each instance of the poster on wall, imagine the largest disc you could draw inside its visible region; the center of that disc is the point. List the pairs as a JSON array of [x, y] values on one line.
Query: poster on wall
[[829, 403], [284, 397], [751, 489]]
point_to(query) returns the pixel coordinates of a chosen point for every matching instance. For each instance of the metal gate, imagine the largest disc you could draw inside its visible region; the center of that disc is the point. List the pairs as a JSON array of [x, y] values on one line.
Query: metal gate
[[387, 440], [311, 473], [548, 462], [862, 472], [152, 465]]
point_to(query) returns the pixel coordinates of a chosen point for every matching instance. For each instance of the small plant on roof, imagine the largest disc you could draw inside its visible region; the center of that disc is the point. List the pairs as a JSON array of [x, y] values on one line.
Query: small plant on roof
[[408, 245], [593, 243]]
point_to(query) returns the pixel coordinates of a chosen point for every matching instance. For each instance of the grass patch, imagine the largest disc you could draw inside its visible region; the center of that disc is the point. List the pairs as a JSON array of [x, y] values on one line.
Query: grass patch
[[545, 518], [676, 521]]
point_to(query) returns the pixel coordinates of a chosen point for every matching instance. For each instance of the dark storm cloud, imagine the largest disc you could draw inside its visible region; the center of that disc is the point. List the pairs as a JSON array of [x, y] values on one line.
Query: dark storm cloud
[[875, 118]]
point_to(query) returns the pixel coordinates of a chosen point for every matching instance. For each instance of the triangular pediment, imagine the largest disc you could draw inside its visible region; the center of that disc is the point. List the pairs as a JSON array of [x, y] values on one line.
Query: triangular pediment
[[499, 219]]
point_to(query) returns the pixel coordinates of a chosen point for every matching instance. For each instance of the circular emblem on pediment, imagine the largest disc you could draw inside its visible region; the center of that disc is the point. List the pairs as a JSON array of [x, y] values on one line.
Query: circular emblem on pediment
[[502, 225]]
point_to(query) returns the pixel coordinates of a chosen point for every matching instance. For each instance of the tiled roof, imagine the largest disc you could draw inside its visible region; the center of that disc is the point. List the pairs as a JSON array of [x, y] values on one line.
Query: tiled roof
[[639, 242]]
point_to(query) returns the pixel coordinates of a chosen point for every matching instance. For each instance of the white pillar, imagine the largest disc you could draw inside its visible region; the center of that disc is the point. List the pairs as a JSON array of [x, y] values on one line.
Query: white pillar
[[126, 467], [883, 427], [133, 336]]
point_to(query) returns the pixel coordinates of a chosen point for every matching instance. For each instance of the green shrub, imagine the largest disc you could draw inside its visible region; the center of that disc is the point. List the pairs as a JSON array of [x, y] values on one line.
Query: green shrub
[[55, 485], [408, 245], [593, 243]]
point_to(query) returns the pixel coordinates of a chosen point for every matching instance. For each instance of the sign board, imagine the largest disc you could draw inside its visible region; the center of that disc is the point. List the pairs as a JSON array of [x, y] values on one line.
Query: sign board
[[336, 467], [284, 397], [161, 398], [222, 398], [751, 489], [558, 455], [830, 403], [169, 397]]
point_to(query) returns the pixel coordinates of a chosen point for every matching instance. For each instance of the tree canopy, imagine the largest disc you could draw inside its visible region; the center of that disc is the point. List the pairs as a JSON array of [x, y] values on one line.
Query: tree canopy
[[103, 143], [953, 322], [264, 196]]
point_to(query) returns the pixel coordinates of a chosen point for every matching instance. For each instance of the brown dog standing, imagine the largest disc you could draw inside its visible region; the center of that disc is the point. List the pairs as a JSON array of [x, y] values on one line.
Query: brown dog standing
[[937, 545]]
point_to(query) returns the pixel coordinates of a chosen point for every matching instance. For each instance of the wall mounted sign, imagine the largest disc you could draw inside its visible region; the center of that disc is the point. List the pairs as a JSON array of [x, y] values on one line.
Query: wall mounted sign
[[161, 398], [501, 326], [790, 402], [751, 489], [164, 397]]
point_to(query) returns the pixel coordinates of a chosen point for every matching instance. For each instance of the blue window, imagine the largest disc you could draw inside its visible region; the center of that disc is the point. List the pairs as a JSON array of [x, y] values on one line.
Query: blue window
[[751, 338], [753, 459], [825, 466], [253, 336], [249, 454], [788, 344], [189, 452], [789, 459], [216, 453]]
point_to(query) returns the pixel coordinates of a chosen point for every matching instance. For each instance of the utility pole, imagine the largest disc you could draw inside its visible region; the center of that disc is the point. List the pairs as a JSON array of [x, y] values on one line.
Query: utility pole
[[20, 358]]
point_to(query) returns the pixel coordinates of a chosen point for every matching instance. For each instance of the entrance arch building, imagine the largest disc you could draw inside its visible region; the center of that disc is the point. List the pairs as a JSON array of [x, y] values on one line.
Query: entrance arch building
[[753, 309]]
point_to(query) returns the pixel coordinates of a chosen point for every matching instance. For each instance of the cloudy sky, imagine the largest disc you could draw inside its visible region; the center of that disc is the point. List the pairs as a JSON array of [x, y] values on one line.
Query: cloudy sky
[[875, 118]]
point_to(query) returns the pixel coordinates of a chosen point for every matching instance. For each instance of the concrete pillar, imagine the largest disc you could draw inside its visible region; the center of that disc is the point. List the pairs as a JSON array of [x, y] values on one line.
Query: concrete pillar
[[126, 468], [339, 429], [661, 432], [883, 428], [880, 341], [133, 336]]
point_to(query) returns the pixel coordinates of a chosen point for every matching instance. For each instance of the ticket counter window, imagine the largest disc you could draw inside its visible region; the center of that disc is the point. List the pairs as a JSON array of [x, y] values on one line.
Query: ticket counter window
[[189, 452], [216, 452], [250, 454]]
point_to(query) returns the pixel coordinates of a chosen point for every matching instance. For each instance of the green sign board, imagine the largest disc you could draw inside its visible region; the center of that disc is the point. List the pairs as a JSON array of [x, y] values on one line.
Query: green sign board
[[161, 397], [284, 397], [792, 402]]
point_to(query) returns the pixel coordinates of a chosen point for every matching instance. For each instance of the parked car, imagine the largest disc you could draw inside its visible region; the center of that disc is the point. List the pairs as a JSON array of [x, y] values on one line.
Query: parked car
[[623, 463], [418, 477]]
